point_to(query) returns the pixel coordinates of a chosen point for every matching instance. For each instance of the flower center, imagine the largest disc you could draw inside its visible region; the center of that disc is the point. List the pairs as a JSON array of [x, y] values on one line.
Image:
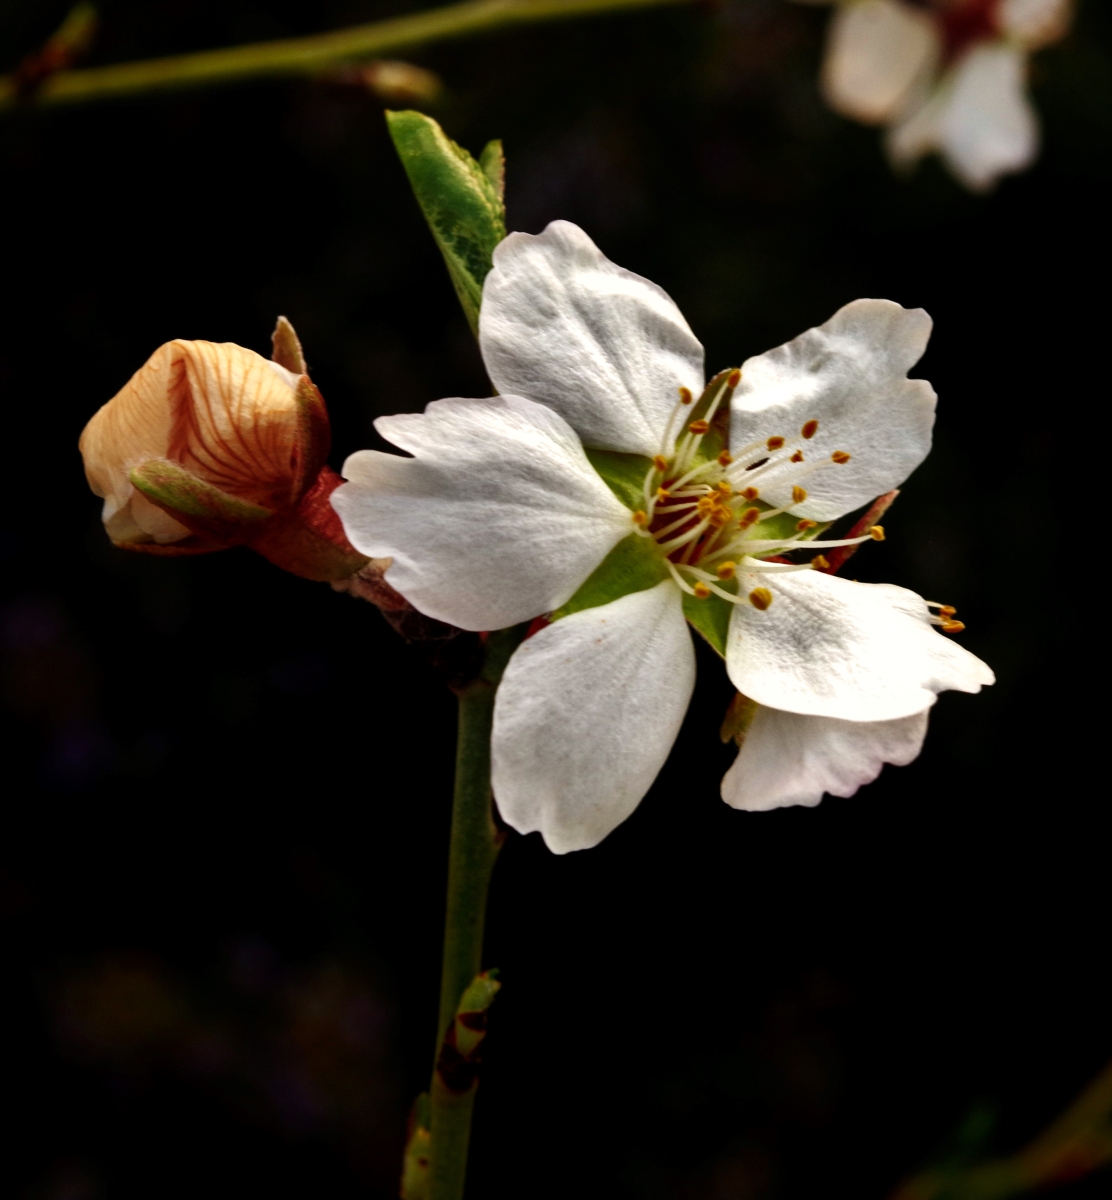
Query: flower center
[[705, 512]]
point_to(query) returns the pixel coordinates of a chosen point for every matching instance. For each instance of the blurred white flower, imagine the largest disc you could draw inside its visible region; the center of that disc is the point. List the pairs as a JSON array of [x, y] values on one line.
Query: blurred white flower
[[502, 515], [943, 75]]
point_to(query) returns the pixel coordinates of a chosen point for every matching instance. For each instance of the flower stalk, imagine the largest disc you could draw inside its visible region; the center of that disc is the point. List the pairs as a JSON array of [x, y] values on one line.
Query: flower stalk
[[302, 56], [474, 846]]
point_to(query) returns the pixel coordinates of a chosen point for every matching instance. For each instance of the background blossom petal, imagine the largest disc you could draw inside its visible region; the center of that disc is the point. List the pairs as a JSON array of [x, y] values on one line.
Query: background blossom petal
[[606, 349], [586, 715], [829, 647], [980, 119], [876, 53], [788, 758], [850, 375], [499, 516]]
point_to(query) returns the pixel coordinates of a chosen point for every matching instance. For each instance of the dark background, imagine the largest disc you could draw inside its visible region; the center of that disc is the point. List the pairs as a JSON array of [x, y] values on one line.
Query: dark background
[[225, 824]]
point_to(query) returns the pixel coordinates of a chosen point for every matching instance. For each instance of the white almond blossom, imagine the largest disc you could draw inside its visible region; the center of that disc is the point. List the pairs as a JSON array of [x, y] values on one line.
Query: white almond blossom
[[946, 76], [602, 488]]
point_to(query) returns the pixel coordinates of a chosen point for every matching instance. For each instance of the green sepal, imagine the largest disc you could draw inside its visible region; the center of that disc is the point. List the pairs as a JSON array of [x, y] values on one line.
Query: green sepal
[[717, 438], [633, 565], [710, 618], [782, 527], [623, 474], [180, 493], [461, 200]]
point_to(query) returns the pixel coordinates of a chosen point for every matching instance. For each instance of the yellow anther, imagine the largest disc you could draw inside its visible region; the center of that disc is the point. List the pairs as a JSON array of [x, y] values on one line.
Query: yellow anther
[[701, 591], [804, 525], [721, 516], [840, 457], [734, 378], [953, 626], [726, 570], [810, 428], [685, 395], [663, 494], [725, 488], [797, 456], [661, 463], [705, 503], [640, 517], [877, 533], [798, 495], [699, 426], [725, 458], [774, 443], [820, 562], [749, 517], [760, 598], [751, 493], [947, 610]]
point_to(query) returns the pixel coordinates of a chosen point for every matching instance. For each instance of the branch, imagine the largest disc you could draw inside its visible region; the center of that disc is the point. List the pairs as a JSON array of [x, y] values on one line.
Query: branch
[[304, 56]]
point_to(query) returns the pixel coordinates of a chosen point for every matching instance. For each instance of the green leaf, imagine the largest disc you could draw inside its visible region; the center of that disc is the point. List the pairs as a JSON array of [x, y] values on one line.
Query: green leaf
[[633, 565], [623, 474], [179, 492], [493, 162], [461, 200], [711, 618]]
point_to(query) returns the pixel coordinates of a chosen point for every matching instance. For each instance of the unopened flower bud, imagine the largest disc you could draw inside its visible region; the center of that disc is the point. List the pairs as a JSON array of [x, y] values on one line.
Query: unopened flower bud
[[211, 445]]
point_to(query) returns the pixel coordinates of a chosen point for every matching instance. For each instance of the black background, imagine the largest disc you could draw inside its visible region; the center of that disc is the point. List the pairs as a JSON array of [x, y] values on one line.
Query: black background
[[225, 828]]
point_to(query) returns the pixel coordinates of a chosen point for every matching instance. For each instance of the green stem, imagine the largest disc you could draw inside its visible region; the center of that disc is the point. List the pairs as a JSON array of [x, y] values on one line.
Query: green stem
[[474, 846], [307, 55]]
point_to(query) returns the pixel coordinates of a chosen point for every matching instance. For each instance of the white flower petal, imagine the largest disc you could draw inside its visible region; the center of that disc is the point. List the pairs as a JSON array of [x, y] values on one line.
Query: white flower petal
[[499, 516], [979, 119], [788, 758], [876, 53], [849, 375], [586, 715], [829, 647], [562, 324]]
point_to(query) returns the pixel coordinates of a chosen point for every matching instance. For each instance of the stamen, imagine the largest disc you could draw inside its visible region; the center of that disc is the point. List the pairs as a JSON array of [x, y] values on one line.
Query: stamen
[[877, 533], [947, 610], [760, 598], [685, 395], [661, 463], [804, 525], [725, 458], [726, 570], [953, 626], [797, 456], [725, 488], [751, 493], [699, 427], [840, 457], [663, 494], [798, 495], [640, 517], [820, 562], [684, 538], [684, 585], [774, 443], [700, 591], [749, 517], [810, 428]]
